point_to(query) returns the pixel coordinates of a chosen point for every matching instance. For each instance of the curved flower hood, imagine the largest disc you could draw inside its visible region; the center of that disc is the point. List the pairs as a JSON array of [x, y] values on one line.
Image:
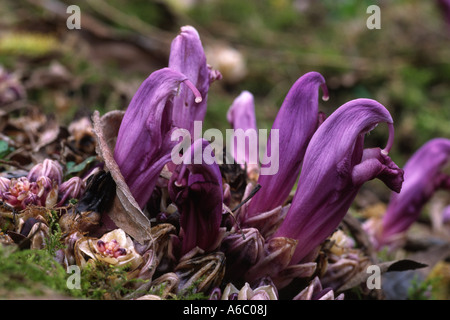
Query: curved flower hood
[[296, 122], [334, 168], [423, 177], [144, 143]]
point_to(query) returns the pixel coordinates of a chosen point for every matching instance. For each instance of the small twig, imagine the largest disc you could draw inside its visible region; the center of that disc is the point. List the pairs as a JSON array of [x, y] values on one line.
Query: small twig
[[13, 106], [13, 164], [235, 220], [155, 42], [133, 22], [254, 191], [231, 212]]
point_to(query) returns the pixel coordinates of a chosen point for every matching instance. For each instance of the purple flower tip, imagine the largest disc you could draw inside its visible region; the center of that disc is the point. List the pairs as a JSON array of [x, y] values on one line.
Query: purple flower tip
[[188, 57], [446, 214], [423, 177], [241, 116], [48, 168], [144, 143], [71, 189], [298, 114]]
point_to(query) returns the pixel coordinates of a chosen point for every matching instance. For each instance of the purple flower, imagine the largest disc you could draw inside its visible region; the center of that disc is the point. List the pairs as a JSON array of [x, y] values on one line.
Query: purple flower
[[315, 291], [243, 250], [197, 191], [423, 177], [296, 122], [21, 192], [71, 189], [48, 168], [144, 143], [446, 214], [47, 191], [241, 115], [187, 57], [334, 168], [4, 184]]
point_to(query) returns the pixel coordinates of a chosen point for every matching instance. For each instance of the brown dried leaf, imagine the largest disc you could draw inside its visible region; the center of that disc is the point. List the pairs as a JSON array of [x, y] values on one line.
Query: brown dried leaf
[[278, 252], [125, 211], [53, 76]]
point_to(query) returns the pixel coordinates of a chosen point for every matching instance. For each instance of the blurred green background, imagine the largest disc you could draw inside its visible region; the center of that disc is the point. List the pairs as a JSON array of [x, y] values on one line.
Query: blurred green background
[[266, 44]]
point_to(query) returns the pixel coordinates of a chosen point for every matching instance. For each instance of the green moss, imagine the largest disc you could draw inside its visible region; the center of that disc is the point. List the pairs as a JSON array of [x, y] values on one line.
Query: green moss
[[101, 281], [34, 273], [422, 290], [53, 242], [191, 292], [30, 273]]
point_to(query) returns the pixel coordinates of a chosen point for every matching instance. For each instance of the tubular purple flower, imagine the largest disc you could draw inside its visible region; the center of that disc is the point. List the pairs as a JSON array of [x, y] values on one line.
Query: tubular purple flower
[[446, 214], [48, 168], [334, 168], [18, 190], [44, 187], [29, 198], [144, 143], [188, 57], [197, 191], [243, 250], [71, 189], [21, 192], [423, 177], [296, 122], [241, 115]]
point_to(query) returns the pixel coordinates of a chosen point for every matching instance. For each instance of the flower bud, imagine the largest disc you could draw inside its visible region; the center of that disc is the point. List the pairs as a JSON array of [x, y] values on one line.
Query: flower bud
[[48, 168], [71, 189]]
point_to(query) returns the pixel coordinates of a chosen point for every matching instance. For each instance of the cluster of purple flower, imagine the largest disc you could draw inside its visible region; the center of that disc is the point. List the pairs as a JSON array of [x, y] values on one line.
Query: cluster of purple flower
[[43, 186], [269, 236]]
